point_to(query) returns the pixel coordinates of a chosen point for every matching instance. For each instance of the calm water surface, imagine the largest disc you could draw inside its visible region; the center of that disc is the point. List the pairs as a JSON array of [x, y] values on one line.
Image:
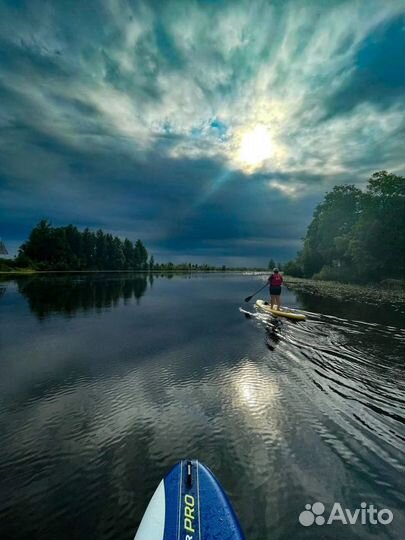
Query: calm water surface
[[107, 380]]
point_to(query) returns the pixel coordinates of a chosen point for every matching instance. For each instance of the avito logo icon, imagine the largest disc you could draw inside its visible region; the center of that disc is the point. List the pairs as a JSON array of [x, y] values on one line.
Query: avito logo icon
[[366, 514]]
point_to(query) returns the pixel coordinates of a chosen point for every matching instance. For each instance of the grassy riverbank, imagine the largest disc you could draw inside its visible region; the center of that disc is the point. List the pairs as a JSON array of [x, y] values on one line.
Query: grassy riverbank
[[18, 271], [391, 292]]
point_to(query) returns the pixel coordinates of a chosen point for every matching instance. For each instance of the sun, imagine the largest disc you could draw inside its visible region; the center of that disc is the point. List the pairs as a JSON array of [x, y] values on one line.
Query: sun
[[255, 147]]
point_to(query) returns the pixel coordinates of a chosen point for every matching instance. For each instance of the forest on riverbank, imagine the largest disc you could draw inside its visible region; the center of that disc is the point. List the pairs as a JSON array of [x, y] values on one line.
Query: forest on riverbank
[[356, 236], [67, 248]]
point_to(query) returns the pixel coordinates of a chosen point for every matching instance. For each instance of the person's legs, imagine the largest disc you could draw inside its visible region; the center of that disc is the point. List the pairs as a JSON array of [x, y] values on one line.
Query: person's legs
[[272, 300], [277, 301]]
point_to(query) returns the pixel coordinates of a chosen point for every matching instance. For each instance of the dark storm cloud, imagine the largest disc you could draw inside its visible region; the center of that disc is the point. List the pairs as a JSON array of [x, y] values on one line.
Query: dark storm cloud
[[130, 116]]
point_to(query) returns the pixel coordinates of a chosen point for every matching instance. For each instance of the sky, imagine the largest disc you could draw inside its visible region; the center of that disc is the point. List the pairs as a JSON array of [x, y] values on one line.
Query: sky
[[208, 129]]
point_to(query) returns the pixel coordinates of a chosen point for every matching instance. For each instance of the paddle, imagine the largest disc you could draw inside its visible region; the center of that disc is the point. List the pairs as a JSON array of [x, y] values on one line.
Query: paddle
[[249, 298]]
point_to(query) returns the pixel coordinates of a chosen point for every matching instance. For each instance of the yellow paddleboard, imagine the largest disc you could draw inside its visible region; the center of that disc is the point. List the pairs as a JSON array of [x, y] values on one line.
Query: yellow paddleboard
[[261, 304]]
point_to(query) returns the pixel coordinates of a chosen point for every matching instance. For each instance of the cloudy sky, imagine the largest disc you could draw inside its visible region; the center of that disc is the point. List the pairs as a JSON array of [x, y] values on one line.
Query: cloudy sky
[[210, 130]]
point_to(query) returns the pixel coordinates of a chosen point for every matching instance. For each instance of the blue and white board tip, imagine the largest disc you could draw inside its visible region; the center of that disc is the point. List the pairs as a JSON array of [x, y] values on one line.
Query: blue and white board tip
[[189, 504]]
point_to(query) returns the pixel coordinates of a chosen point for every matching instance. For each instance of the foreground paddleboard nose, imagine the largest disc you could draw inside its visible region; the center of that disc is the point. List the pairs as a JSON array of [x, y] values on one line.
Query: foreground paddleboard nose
[[189, 504]]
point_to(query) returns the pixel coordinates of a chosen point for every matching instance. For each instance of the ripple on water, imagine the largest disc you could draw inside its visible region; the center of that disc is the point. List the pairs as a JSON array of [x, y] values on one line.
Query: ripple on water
[[358, 387]]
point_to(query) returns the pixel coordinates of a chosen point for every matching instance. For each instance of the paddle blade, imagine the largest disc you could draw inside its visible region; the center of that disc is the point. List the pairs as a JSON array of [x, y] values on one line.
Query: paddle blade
[[249, 298]]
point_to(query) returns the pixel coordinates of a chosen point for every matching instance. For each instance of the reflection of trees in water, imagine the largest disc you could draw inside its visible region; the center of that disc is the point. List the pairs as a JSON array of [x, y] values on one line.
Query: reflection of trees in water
[[382, 341], [71, 294], [346, 308]]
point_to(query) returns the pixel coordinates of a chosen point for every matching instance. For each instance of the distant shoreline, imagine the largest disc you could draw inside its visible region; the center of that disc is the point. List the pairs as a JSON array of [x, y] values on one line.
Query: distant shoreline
[[392, 292], [174, 271]]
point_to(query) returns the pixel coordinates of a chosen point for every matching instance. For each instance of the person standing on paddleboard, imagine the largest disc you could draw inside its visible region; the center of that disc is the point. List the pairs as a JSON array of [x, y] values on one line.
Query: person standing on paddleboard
[[275, 282]]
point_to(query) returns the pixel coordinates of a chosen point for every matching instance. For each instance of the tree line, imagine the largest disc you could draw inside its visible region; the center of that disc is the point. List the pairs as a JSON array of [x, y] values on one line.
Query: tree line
[[356, 235], [67, 248]]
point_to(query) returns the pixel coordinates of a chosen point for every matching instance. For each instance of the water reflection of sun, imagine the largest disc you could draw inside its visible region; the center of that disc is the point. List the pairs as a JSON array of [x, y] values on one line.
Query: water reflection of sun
[[254, 389]]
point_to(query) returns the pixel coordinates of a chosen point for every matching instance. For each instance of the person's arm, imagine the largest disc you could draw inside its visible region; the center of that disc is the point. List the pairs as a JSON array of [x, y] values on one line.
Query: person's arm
[[282, 280]]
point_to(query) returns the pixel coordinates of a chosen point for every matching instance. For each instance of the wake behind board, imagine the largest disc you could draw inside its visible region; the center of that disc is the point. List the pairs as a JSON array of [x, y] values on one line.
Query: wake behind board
[[189, 504], [264, 306]]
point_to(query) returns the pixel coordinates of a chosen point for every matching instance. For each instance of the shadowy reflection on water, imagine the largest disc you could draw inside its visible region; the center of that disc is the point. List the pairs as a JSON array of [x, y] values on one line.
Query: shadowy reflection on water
[[68, 295]]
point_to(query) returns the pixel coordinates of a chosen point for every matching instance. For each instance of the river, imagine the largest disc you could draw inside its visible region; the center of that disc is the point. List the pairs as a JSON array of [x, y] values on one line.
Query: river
[[107, 380]]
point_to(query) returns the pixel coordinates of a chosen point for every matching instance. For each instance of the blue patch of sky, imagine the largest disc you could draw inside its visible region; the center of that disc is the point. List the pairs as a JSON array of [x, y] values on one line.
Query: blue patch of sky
[[382, 56], [219, 127]]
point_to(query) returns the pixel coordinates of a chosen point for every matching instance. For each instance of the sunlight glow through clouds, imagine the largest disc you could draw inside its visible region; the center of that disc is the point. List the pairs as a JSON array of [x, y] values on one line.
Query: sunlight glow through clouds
[[256, 147]]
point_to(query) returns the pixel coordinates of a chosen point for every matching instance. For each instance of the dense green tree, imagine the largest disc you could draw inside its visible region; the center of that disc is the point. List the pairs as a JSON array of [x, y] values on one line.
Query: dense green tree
[[151, 263], [110, 255], [66, 248], [329, 232], [356, 235], [140, 256], [101, 249], [128, 249], [88, 249], [117, 255], [293, 268], [39, 244], [378, 238]]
